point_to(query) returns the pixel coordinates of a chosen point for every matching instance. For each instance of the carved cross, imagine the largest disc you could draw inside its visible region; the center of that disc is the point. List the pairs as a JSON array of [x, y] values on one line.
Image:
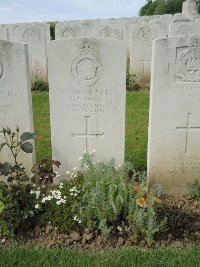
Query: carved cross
[[87, 135], [187, 129], [144, 61]]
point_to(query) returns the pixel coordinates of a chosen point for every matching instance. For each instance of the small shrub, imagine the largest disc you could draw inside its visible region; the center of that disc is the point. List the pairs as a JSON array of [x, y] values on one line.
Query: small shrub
[[142, 212], [52, 29], [194, 190], [18, 206], [131, 84], [40, 85]]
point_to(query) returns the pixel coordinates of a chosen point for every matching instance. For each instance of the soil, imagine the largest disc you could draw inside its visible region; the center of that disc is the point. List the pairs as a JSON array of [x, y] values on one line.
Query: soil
[[183, 229]]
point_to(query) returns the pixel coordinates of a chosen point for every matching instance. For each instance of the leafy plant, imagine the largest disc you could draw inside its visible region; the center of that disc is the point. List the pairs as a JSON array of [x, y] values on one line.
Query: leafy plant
[[131, 84], [194, 190], [44, 174], [40, 85], [142, 212], [15, 143], [105, 194], [18, 202]]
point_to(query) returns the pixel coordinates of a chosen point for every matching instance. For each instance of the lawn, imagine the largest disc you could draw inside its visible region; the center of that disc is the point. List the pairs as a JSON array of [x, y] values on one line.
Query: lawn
[[136, 127], [23, 257]]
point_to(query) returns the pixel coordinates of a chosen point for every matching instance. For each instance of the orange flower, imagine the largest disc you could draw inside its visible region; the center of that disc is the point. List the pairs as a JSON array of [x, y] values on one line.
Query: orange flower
[[136, 188], [157, 199], [141, 202]]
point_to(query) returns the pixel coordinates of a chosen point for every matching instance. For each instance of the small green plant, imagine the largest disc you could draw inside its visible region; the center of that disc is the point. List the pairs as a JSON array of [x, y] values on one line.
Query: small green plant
[[40, 85], [194, 190], [15, 143], [105, 194], [52, 29], [131, 84], [18, 202], [142, 212]]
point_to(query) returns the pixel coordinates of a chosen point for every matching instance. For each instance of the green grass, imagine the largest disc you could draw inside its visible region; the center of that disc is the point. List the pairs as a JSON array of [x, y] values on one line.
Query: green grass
[[136, 127], [23, 257], [42, 125]]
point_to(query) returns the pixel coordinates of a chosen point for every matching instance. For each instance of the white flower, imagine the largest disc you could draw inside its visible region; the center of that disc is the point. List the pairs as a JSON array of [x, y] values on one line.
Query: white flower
[[67, 172], [37, 206], [119, 166], [32, 192], [58, 175], [75, 175], [93, 151], [80, 158], [119, 228], [75, 168]]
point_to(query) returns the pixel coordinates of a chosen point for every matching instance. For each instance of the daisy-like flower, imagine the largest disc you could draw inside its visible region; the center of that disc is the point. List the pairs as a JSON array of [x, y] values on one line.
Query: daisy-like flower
[[67, 172], [37, 206]]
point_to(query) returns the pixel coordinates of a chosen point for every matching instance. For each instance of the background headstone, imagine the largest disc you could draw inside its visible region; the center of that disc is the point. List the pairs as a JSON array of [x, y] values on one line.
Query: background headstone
[[69, 29], [87, 78], [174, 127], [142, 36], [15, 95], [36, 35]]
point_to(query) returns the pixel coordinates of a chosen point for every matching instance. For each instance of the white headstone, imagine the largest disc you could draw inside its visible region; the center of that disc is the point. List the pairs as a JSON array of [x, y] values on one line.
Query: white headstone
[[36, 35], [15, 95], [174, 127], [190, 7], [87, 99], [142, 36]]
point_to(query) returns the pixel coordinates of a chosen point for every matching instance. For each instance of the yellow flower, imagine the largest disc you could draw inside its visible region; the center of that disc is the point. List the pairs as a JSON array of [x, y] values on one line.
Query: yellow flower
[[141, 202]]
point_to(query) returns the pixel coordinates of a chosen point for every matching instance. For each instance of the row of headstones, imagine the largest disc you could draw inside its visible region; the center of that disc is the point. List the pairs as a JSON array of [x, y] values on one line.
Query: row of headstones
[[137, 32], [87, 103]]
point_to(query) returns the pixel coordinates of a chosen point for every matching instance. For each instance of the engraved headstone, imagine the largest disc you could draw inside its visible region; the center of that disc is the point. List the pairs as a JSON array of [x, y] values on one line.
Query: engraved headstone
[[15, 95], [174, 130], [142, 36], [87, 99], [36, 35]]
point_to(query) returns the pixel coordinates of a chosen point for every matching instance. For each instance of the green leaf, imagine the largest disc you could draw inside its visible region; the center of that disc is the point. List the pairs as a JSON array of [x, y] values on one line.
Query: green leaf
[[27, 147], [10, 179], [1, 206], [5, 168], [2, 145], [25, 178], [27, 136]]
